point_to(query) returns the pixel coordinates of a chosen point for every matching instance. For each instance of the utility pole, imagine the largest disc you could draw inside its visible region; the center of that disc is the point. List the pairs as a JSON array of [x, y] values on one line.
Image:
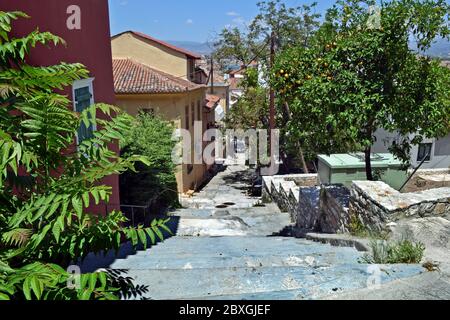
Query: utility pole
[[212, 74], [272, 92], [272, 99]]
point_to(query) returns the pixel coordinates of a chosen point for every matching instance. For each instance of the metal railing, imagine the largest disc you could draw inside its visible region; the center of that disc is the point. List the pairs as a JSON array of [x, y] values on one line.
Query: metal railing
[[130, 212]]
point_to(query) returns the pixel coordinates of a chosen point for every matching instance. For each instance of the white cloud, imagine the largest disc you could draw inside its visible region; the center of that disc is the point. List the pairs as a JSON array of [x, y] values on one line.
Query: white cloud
[[189, 21], [123, 2], [233, 14]]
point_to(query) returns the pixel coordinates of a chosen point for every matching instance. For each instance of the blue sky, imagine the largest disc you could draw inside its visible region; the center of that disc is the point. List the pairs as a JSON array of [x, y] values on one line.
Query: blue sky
[[186, 20]]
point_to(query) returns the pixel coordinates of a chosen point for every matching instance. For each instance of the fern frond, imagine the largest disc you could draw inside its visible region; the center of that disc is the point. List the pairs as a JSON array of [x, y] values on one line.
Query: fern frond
[[17, 237]]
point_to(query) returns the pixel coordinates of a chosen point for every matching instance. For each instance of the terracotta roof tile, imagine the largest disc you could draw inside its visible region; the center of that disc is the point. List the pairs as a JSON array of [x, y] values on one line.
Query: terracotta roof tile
[[211, 101], [131, 77]]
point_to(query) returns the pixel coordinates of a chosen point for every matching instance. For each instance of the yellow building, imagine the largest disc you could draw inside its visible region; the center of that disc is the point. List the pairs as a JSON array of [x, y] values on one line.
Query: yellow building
[[153, 76]]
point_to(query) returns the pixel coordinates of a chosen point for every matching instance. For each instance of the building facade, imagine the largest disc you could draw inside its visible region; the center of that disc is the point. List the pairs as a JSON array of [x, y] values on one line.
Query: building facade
[[153, 76], [435, 151], [156, 54], [84, 25]]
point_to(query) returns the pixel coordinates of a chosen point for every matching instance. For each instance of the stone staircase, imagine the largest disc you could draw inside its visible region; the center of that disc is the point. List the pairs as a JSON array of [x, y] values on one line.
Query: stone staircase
[[260, 268], [228, 246]]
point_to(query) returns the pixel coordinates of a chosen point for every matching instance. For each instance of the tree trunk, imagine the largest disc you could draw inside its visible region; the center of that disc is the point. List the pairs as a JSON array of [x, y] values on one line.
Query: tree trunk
[[302, 159], [368, 156], [302, 155]]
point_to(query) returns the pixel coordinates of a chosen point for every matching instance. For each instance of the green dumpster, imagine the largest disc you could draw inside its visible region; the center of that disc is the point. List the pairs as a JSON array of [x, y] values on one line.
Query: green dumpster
[[346, 168]]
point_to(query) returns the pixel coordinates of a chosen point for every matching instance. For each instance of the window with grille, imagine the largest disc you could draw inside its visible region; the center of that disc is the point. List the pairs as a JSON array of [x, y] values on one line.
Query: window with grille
[[424, 152]]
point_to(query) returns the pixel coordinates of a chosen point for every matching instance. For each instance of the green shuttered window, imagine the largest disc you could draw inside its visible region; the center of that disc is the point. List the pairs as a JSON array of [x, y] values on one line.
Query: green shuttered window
[[83, 99]]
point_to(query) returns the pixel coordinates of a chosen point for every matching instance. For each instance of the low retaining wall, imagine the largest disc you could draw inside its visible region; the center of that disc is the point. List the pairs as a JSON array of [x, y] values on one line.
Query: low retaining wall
[[332, 209], [376, 204], [312, 207], [308, 209], [428, 179], [285, 191]]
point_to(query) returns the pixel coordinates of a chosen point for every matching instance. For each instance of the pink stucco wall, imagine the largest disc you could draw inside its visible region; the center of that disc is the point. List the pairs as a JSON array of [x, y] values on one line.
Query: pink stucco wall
[[90, 46]]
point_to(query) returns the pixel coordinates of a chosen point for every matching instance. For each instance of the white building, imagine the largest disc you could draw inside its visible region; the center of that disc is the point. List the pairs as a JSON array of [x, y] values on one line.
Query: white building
[[438, 150]]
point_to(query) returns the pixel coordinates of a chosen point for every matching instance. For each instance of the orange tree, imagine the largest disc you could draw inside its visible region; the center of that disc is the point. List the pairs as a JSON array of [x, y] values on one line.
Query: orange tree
[[359, 74]]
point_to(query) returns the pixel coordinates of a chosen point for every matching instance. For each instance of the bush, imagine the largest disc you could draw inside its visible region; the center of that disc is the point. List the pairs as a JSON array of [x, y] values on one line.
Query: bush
[[155, 183], [404, 251], [46, 192], [357, 228]]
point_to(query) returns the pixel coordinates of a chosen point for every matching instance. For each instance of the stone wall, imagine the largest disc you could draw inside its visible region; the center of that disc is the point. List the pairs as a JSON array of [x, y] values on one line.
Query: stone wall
[[334, 209], [377, 205], [308, 209], [285, 191], [331, 209], [312, 207], [428, 179], [303, 180]]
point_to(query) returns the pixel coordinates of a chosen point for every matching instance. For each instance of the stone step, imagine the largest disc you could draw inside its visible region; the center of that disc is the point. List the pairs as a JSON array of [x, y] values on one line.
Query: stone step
[[199, 227], [239, 246], [226, 260], [256, 282], [255, 221], [266, 210], [193, 253], [231, 227], [207, 247], [205, 202], [184, 252]]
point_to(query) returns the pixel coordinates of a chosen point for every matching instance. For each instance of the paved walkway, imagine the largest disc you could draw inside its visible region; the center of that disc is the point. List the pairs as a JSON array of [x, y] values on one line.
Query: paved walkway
[[228, 247], [427, 286]]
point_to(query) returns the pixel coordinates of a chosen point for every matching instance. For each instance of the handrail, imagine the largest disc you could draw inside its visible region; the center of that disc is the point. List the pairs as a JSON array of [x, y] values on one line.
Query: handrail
[[129, 206]]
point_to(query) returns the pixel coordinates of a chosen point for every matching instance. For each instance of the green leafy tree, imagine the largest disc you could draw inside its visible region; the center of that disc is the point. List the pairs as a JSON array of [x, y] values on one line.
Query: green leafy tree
[[235, 46], [155, 183], [286, 25], [47, 184], [276, 28], [251, 109], [359, 75]]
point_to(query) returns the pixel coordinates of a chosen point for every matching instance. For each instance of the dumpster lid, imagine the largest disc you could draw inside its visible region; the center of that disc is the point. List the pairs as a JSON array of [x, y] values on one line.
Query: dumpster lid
[[356, 160]]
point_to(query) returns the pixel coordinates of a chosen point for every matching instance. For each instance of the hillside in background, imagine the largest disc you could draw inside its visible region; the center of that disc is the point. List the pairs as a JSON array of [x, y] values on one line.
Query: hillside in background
[[441, 49], [202, 48]]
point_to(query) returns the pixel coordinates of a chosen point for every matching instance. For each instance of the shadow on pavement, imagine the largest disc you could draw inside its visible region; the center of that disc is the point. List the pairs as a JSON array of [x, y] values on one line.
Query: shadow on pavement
[[93, 262]]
